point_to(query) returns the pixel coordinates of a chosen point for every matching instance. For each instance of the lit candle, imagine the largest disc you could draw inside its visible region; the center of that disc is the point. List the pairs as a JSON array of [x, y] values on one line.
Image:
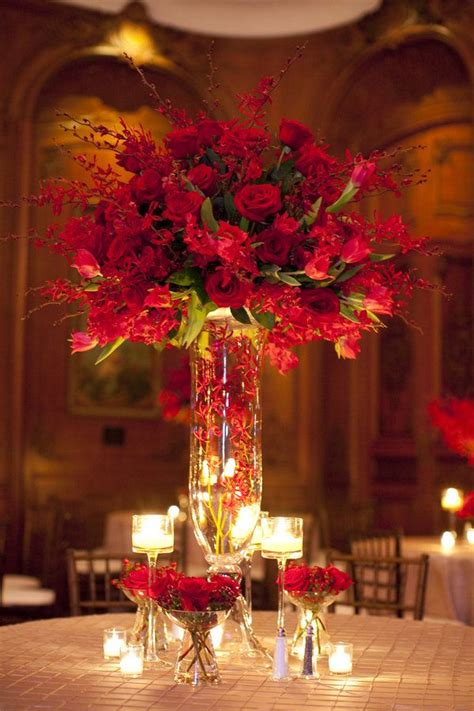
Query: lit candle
[[131, 660], [152, 532], [340, 658], [470, 535], [282, 544], [448, 540], [451, 499], [114, 642]]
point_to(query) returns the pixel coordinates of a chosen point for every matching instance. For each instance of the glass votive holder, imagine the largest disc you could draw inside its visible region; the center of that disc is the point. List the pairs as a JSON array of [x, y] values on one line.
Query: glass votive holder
[[340, 658], [115, 640], [131, 660], [448, 540]]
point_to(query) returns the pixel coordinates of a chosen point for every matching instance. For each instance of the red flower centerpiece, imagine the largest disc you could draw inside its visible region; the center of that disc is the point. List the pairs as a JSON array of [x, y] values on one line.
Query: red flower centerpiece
[[238, 242], [197, 605], [454, 417], [133, 582], [313, 589]]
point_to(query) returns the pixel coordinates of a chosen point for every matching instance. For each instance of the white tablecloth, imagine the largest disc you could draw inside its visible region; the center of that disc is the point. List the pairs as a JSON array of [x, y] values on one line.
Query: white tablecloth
[[450, 588], [399, 665]]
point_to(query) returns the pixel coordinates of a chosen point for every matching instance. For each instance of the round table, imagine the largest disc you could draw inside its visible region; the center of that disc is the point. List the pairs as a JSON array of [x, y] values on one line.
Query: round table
[[450, 586], [399, 665]]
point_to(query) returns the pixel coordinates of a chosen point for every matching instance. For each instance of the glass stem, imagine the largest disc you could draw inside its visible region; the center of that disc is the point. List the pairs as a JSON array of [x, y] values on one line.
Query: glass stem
[[151, 646], [281, 590], [248, 584]]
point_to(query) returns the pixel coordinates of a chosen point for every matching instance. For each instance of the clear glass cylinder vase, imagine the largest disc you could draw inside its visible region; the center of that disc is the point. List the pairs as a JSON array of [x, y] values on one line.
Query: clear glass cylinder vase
[[225, 485]]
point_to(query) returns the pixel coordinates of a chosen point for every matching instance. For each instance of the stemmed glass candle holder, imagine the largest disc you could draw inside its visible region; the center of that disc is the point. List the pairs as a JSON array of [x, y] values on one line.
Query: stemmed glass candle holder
[[282, 540], [254, 546], [451, 501], [153, 535]]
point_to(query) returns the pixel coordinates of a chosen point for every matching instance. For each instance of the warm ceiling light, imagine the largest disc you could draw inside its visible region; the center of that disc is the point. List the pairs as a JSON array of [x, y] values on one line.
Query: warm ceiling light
[[134, 40], [245, 18]]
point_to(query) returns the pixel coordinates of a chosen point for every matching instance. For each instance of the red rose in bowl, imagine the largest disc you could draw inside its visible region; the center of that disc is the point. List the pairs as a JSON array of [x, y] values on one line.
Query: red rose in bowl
[[297, 579], [340, 580], [194, 593], [257, 202]]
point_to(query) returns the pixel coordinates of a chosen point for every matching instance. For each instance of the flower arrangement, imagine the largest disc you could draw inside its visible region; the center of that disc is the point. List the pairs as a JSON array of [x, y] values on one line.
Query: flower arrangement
[[313, 589], [315, 581], [133, 581], [454, 417], [226, 215], [176, 591]]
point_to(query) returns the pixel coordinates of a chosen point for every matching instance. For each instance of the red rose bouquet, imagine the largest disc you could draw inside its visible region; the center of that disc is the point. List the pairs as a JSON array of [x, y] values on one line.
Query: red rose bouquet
[[313, 589], [175, 591], [455, 419], [226, 215]]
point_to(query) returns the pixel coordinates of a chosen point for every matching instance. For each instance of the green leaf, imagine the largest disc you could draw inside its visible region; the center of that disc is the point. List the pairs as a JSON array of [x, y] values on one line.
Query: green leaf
[[185, 277], [380, 257], [312, 215], [244, 224], [109, 349], [92, 287], [287, 279], [230, 206], [207, 215], [241, 315], [348, 313], [373, 317], [347, 194], [196, 317], [349, 273], [264, 318]]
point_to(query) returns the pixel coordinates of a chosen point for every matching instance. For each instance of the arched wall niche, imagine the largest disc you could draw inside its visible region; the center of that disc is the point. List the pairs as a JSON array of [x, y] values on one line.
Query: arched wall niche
[[415, 92], [47, 441]]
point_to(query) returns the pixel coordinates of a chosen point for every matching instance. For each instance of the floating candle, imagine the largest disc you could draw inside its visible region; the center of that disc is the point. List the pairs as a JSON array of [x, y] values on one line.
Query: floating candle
[[451, 499], [152, 533]]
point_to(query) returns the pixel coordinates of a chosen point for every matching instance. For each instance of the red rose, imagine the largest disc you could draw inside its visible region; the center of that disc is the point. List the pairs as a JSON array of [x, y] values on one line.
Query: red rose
[[294, 134], [297, 578], [339, 580], [224, 589], [276, 246], [148, 186], [194, 593], [312, 159], [322, 302], [225, 289], [182, 142], [204, 177], [166, 579], [137, 578], [257, 202], [180, 204], [208, 131]]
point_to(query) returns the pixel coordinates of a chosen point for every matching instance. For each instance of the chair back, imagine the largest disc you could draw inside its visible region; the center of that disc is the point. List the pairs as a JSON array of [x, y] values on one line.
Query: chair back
[[377, 544], [90, 586], [381, 584]]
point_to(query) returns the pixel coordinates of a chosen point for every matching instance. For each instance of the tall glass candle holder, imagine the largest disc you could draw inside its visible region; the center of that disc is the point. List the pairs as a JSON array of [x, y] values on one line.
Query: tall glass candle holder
[[451, 501], [153, 535], [254, 546], [282, 540]]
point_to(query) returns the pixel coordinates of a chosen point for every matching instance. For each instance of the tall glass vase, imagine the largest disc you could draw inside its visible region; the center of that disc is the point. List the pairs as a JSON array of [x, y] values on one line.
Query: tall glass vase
[[225, 486]]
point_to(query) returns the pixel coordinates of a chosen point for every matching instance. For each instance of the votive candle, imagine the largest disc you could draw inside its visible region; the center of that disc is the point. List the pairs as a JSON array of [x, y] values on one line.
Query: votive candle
[[448, 540], [340, 658], [131, 660], [114, 642], [152, 533]]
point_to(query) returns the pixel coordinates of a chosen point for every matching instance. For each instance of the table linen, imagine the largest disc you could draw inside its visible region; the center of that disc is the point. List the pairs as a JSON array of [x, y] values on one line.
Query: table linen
[[399, 665]]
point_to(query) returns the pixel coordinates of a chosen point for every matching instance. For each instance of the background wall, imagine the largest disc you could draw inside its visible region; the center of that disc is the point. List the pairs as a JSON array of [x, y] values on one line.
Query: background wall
[[348, 439]]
